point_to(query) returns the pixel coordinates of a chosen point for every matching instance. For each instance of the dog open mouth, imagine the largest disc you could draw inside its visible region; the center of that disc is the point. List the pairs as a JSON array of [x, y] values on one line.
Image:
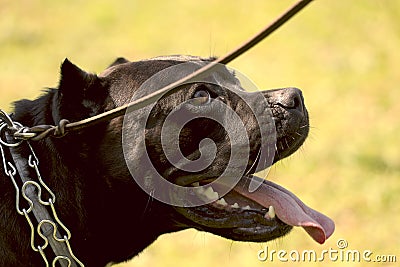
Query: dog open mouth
[[269, 212], [265, 214]]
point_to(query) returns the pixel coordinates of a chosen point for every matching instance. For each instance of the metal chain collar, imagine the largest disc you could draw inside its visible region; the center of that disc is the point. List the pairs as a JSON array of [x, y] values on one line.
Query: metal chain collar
[[48, 222]]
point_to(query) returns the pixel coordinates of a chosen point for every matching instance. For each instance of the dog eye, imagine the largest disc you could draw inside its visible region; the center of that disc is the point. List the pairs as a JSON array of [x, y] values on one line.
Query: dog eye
[[201, 93], [201, 97]]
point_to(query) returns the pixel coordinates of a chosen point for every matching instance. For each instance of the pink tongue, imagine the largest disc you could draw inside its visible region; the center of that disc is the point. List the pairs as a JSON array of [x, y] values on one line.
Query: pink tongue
[[289, 208]]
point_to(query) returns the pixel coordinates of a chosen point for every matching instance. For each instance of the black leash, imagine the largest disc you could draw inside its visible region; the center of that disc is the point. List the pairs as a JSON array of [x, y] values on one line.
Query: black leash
[[39, 132]]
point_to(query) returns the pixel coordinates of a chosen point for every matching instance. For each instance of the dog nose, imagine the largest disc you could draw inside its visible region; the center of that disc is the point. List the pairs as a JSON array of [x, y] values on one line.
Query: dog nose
[[291, 98]]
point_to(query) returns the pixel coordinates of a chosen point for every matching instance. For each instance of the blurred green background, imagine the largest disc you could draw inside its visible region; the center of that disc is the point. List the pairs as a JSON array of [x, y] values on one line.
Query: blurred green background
[[344, 55]]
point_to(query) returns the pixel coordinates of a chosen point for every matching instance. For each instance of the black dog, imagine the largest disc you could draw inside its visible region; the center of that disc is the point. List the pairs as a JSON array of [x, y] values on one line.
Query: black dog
[[110, 217]]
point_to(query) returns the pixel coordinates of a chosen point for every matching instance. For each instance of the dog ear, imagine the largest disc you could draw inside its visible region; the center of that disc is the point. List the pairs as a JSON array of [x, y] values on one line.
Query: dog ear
[[73, 78], [119, 61], [80, 94]]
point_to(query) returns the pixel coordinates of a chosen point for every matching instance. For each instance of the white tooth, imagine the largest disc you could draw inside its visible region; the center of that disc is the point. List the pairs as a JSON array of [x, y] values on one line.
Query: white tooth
[[208, 190], [216, 195], [210, 193], [271, 212], [235, 206], [196, 184], [246, 208], [222, 202]]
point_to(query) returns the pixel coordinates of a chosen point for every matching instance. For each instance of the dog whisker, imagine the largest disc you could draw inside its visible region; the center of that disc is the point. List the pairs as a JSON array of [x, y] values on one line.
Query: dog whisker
[[282, 145], [299, 134], [287, 143], [148, 203]]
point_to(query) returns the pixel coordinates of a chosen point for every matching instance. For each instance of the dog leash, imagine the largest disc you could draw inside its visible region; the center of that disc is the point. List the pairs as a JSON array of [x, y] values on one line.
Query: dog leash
[[39, 132]]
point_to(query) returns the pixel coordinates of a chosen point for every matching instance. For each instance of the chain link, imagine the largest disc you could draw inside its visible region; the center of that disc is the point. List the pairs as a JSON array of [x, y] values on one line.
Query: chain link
[[32, 192]]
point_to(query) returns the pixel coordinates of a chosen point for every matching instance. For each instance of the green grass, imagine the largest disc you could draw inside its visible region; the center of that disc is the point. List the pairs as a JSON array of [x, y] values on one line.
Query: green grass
[[343, 54]]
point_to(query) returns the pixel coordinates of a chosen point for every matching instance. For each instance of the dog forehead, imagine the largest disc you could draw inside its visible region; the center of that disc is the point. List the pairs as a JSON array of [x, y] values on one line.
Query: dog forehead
[[159, 60]]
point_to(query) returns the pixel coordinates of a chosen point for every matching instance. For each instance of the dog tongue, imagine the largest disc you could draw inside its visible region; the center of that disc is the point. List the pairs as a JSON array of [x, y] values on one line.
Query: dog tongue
[[289, 208]]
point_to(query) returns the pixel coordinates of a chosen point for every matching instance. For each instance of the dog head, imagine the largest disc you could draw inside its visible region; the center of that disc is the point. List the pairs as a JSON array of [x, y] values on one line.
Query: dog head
[[174, 160]]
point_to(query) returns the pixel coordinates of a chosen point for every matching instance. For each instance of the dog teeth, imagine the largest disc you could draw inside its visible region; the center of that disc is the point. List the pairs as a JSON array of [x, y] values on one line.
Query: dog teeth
[[222, 202], [271, 213], [210, 193], [235, 206]]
